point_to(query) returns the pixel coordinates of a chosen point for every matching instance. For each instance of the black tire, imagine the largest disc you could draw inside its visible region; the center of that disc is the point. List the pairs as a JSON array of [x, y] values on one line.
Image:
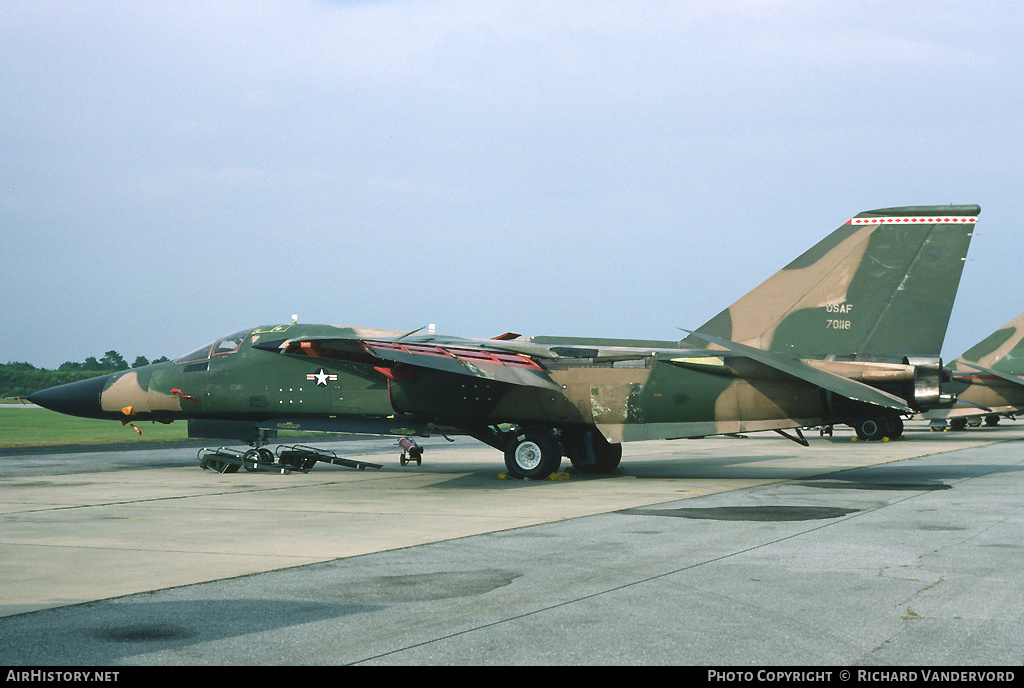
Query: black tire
[[870, 429], [606, 458], [261, 455], [894, 428], [532, 455], [992, 420]]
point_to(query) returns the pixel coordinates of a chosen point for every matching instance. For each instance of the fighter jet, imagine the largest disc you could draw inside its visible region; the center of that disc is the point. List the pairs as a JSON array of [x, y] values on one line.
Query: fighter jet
[[987, 379], [849, 332]]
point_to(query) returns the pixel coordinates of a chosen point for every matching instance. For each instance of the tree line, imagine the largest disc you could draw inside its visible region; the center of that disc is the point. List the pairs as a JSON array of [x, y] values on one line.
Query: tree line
[[19, 379]]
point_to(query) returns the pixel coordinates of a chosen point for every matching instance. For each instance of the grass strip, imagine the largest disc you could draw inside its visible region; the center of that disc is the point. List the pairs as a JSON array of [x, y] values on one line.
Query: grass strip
[[38, 427]]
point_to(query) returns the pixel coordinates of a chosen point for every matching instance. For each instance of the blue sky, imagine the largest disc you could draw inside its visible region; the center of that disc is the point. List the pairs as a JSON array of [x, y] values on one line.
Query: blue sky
[[173, 172]]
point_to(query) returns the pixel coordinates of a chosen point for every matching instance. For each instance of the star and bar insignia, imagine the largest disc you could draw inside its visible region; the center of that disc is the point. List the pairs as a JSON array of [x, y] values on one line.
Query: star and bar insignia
[[322, 377]]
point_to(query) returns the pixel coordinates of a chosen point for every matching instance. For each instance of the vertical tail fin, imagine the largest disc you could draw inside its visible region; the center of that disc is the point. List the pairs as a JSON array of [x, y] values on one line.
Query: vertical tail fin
[[881, 284], [1002, 351]]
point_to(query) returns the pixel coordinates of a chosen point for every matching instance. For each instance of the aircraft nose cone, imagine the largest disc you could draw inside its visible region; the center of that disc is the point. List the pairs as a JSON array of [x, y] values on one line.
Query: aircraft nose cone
[[80, 398]]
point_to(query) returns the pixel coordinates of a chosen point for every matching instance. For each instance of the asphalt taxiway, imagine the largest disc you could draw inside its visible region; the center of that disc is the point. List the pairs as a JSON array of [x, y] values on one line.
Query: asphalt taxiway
[[722, 551]]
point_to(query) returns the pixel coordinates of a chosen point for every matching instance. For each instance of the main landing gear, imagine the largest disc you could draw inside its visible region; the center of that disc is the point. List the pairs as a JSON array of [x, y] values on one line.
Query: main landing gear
[[536, 453], [878, 429], [532, 455]]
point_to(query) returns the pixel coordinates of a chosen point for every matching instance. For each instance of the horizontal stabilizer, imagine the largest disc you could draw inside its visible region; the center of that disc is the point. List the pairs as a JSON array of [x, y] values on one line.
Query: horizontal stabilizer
[[851, 389], [1003, 350], [989, 371]]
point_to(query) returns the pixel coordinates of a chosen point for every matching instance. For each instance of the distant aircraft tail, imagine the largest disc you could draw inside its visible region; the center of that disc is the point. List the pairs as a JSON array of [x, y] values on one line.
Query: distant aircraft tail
[[1002, 351], [883, 284]]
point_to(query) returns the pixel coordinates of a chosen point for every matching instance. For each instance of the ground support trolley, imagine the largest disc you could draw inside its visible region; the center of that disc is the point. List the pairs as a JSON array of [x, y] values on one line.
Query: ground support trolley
[[286, 459]]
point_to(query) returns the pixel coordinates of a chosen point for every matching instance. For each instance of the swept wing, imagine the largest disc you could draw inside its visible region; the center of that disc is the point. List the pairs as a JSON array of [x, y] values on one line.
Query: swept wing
[[852, 389]]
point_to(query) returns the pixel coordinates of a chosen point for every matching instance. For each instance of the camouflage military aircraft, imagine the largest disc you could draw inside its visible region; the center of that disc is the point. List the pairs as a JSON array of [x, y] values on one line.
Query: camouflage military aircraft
[[987, 379], [849, 332]]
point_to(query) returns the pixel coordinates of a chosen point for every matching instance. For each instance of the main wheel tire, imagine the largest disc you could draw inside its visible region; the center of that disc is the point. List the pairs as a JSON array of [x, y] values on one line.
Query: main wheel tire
[[606, 458], [532, 455], [894, 428], [870, 430]]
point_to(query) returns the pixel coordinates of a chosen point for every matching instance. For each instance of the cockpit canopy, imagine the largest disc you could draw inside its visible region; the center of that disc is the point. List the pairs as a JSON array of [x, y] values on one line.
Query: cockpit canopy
[[224, 345]]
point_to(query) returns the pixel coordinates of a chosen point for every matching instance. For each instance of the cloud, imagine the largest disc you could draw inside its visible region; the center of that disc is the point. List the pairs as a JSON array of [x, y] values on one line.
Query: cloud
[[603, 168]]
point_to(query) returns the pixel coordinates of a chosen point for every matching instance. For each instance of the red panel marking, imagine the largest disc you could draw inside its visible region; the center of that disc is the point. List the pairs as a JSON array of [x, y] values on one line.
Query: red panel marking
[[966, 219], [398, 373]]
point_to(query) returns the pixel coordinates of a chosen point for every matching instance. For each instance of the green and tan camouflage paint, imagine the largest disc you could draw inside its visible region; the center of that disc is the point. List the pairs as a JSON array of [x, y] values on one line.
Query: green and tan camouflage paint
[[882, 284], [1002, 352], [879, 288]]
